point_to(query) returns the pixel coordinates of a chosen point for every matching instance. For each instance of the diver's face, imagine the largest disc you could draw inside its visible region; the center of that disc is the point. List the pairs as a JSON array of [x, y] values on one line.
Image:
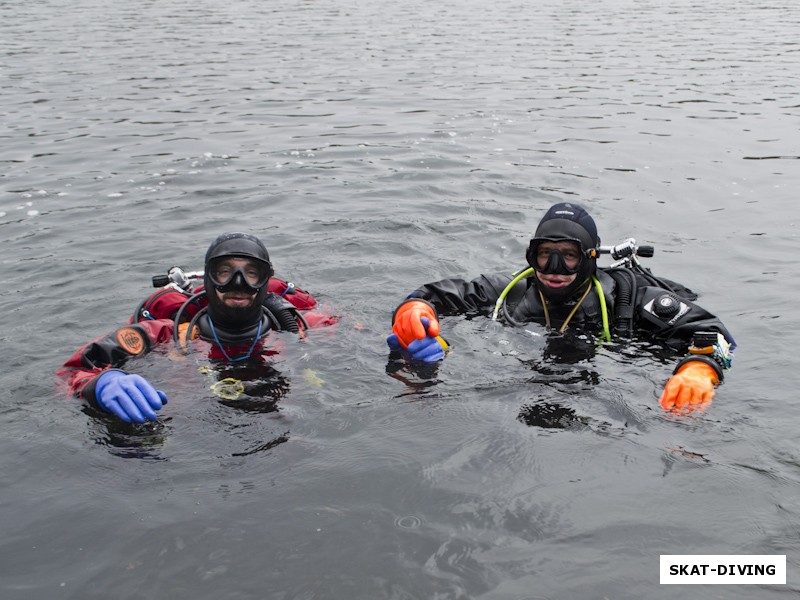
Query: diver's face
[[571, 254], [239, 296]]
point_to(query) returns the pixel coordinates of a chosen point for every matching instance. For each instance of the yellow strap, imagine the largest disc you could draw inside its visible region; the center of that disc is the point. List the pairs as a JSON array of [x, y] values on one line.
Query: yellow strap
[[526, 272], [571, 313], [575, 308]]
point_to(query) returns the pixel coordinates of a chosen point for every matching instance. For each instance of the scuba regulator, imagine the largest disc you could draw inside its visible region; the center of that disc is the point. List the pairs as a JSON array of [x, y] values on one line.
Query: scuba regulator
[[177, 278]]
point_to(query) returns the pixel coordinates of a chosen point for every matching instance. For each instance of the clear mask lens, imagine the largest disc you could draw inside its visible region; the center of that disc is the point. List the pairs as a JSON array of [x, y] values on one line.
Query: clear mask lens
[[547, 258], [556, 264], [227, 274]]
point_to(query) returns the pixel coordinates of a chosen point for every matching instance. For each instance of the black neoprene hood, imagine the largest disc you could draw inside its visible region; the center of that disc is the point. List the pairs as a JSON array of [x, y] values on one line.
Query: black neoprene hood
[[235, 322], [237, 244], [568, 221]]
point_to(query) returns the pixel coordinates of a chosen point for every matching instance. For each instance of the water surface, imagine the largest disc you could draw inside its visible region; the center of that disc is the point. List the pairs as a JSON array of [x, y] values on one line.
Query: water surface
[[375, 147]]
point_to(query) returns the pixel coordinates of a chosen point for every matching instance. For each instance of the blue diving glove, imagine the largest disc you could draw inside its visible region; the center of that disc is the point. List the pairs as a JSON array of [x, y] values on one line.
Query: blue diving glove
[[130, 397], [428, 349]]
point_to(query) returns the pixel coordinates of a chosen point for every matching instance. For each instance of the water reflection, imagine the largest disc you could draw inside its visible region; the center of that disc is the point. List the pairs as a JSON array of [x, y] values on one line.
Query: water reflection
[[235, 402], [254, 387], [569, 381], [129, 440], [381, 144], [550, 415], [418, 377]]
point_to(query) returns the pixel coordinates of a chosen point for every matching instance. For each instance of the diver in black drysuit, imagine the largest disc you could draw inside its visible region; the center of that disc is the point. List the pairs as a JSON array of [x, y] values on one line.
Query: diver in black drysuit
[[565, 288]]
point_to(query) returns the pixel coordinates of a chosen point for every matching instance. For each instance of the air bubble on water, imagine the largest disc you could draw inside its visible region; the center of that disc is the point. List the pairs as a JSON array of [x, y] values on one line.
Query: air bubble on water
[[115, 195], [409, 522], [208, 154], [33, 213], [2, 213]]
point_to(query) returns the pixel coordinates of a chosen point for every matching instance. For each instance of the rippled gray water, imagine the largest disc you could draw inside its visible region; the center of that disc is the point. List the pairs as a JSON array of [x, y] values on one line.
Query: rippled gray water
[[376, 146]]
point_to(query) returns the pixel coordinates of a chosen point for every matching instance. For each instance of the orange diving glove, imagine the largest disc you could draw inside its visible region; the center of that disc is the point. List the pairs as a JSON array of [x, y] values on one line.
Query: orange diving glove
[[690, 388], [408, 326]]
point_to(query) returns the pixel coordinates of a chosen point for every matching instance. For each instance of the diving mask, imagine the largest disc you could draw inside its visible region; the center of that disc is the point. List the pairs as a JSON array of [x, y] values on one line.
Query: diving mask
[[555, 257], [229, 273]]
